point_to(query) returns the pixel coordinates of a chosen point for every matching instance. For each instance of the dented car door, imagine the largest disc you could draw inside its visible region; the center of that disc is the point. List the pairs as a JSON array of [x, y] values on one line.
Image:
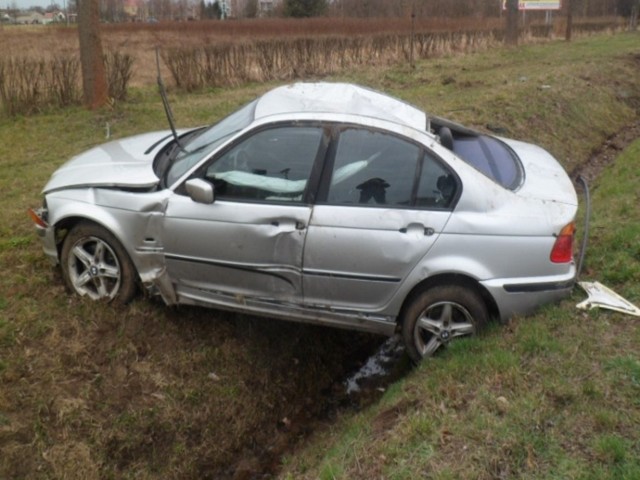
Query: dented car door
[[236, 249], [249, 241]]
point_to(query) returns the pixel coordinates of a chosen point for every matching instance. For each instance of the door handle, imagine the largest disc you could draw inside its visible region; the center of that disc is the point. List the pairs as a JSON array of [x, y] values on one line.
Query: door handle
[[287, 224], [418, 228]]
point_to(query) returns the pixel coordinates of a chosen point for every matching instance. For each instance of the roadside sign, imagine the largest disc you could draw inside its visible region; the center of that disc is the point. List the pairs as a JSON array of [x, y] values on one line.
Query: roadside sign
[[539, 5], [535, 5]]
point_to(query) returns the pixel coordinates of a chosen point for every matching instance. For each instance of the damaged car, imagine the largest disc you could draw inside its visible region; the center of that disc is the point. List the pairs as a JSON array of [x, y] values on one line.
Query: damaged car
[[325, 203]]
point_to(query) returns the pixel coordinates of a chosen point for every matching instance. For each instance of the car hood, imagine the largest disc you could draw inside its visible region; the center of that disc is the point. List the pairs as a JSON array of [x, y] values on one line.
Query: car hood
[[125, 163], [545, 179]]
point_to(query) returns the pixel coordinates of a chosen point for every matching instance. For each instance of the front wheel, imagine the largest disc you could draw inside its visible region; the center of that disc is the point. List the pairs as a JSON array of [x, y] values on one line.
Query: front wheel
[[440, 314], [95, 264]]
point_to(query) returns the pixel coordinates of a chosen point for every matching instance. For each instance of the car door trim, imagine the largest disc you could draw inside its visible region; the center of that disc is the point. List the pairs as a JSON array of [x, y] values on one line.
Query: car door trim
[[270, 270], [370, 278]]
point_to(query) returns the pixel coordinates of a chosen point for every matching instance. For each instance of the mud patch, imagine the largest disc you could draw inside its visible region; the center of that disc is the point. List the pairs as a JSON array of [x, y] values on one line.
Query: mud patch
[[367, 373], [607, 153]]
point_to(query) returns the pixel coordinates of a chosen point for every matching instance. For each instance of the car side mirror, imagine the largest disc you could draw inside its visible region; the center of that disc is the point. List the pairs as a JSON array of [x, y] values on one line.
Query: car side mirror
[[200, 191]]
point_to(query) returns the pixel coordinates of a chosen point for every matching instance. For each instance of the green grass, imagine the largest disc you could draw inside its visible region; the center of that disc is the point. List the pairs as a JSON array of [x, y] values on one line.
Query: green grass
[[552, 396], [98, 391]]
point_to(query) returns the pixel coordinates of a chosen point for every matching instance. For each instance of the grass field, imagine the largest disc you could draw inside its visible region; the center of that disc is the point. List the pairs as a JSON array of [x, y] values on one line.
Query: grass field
[[552, 396], [96, 391]]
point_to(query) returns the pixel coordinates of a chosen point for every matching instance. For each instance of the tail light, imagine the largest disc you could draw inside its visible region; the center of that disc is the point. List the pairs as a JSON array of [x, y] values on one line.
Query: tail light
[[562, 251]]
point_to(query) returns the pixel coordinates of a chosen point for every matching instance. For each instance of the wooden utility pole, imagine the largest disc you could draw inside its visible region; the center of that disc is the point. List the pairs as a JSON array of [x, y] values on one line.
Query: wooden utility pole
[[413, 33], [94, 78], [633, 19], [511, 36], [567, 35]]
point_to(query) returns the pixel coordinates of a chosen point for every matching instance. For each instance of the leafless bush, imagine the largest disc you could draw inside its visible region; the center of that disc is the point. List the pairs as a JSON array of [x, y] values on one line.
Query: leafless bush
[[28, 85], [21, 85], [64, 80], [119, 67], [231, 63], [185, 65]]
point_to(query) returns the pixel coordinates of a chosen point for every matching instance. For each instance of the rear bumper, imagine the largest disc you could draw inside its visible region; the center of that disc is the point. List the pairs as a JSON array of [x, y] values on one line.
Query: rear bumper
[[522, 296]]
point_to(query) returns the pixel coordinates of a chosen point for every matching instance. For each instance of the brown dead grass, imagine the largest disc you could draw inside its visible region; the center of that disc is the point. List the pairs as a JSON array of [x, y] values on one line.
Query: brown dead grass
[[141, 40]]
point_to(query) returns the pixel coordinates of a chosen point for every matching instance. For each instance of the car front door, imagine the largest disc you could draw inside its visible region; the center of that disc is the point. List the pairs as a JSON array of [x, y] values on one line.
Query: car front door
[[379, 212], [248, 242]]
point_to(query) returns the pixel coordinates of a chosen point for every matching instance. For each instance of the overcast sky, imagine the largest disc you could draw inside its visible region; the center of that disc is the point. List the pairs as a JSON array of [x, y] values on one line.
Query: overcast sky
[[24, 4]]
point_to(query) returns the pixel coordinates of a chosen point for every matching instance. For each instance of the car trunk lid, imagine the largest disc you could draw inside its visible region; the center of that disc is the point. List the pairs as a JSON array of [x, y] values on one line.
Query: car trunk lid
[[544, 179]]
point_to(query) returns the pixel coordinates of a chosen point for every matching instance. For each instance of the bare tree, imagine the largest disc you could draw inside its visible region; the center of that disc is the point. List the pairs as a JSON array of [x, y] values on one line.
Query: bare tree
[[94, 79], [251, 9], [511, 36], [633, 18], [567, 35]]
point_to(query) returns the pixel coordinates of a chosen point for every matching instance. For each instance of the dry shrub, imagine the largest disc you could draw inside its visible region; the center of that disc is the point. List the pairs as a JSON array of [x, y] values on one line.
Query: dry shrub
[[28, 85], [119, 68], [64, 80], [261, 60], [22, 85], [185, 66]]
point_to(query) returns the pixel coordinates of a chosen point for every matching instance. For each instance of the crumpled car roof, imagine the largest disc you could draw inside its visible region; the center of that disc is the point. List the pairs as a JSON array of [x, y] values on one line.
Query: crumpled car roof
[[341, 98]]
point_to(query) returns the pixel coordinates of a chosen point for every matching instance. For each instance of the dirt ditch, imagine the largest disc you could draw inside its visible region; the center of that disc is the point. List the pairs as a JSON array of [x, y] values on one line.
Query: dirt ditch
[[607, 153]]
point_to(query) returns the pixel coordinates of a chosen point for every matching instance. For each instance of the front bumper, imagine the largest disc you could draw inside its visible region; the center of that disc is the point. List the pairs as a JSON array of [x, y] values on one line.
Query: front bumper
[[46, 233]]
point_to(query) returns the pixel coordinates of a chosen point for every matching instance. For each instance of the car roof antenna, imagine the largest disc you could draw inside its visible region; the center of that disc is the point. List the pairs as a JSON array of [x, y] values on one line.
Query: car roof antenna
[[165, 104]]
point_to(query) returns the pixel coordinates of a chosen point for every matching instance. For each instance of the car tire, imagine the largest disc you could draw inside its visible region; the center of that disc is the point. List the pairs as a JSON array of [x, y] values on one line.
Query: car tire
[[95, 264], [440, 314]]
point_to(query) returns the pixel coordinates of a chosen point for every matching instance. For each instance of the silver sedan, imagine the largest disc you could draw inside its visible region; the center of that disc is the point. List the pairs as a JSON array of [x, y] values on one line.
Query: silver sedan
[[326, 203]]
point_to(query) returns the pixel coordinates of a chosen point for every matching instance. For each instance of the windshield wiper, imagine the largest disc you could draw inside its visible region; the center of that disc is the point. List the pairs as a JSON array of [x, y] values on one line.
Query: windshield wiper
[[165, 104]]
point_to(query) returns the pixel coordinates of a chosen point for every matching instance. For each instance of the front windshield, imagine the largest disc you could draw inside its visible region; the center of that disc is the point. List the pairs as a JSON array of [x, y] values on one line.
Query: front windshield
[[202, 145]]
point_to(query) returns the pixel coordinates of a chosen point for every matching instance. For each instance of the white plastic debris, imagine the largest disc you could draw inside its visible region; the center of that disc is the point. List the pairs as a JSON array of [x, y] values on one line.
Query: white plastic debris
[[603, 297]]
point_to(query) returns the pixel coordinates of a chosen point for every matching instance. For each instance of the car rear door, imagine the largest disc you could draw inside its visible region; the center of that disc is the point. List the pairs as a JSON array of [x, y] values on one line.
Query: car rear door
[[381, 208]]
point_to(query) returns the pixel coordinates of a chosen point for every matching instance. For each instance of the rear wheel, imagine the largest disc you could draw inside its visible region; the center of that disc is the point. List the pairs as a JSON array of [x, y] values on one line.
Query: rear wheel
[[95, 264], [440, 314]]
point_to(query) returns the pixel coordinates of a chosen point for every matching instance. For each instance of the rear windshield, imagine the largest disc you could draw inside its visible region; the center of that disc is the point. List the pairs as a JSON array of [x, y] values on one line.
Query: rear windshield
[[491, 156]]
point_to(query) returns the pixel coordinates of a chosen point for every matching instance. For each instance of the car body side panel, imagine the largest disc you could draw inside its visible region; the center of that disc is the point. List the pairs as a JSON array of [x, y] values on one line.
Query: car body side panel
[[492, 237], [243, 249], [486, 208], [129, 221], [357, 257]]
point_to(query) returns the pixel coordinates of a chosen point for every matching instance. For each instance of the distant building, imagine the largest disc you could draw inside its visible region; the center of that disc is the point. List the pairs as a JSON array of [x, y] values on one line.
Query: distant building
[[54, 17], [265, 7], [30, 18], [131, 9]]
